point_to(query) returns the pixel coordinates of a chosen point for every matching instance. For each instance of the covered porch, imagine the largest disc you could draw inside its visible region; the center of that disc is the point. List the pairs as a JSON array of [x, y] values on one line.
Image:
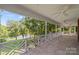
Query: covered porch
[[64, 40]]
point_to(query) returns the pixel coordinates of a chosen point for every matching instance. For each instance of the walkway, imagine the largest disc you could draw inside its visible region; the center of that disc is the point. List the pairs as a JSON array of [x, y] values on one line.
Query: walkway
[[59, 46]]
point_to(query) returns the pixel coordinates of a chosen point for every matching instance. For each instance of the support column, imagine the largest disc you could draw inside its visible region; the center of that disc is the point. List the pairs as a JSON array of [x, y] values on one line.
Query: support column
[[60, 29], [63, 30], [45, 29], [56, 28], [78, 30], [70, 30], [74, 29]]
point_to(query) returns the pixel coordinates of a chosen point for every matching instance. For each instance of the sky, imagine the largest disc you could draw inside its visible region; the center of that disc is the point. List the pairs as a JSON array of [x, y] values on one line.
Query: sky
[[5, 16]]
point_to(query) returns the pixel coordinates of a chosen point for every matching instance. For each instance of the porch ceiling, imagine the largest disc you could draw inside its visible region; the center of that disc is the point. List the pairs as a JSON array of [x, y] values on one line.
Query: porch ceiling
[[61, 14]]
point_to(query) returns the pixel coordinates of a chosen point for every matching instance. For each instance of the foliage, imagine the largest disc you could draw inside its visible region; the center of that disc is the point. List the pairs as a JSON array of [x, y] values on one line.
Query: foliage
[[3, 31], [13, 27], [2, 40], [26, 26]]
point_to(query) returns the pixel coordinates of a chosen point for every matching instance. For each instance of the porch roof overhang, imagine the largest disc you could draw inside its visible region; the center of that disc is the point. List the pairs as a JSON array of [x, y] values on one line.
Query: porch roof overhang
[[61, 14]]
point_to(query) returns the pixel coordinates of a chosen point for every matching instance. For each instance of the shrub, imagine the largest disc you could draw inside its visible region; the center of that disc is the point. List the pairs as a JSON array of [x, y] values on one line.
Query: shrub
[[2, 40]]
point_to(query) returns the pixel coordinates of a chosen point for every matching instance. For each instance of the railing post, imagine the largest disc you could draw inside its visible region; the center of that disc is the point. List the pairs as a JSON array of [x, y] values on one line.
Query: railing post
[[26, 48]]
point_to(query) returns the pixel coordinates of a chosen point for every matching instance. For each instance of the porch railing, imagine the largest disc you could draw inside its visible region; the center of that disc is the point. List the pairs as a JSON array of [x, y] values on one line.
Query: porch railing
[[8, 50]]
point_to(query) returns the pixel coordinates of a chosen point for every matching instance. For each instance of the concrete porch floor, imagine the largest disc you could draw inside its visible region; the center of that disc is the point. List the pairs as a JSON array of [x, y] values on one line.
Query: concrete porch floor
[[63, 45]]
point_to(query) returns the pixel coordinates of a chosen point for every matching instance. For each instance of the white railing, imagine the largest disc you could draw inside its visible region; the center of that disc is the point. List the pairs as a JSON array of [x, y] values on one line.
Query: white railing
[[53, 36], [7, 50], [50, 36], [40, 39]]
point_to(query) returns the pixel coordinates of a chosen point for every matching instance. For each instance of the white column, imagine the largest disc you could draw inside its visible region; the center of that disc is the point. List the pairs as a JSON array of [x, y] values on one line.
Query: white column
[[62, 30], [55, 35], [56, 28], [45, 29], [74, 29], [70, 30]]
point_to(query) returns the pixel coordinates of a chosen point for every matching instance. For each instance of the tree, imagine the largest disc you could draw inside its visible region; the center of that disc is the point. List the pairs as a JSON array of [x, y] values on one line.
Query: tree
[[30, 26], [34, 26], [13, 28], [3, 33], [22, 29]]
